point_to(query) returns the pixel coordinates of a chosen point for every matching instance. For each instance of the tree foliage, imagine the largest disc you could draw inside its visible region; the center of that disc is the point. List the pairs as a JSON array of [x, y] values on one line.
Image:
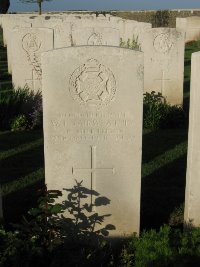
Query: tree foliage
[[4, 6], [39, 2]]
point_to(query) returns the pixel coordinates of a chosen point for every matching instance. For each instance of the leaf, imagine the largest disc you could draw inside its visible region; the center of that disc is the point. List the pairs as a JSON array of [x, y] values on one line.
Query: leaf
[[104, 232], [34, 212], [57, 208]]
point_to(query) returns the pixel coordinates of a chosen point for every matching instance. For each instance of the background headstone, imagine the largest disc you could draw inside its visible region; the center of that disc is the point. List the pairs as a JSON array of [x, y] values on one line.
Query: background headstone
[[192, 196], [93, 126], [134, 29], [96, 36], [62, 29], [164, 63], [26, 56], [16, 24], [191, 26]]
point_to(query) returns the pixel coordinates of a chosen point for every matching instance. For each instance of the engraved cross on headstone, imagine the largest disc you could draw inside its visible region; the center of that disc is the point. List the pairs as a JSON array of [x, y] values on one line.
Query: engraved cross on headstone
[[93, 170], [33, 83], [163, 80]]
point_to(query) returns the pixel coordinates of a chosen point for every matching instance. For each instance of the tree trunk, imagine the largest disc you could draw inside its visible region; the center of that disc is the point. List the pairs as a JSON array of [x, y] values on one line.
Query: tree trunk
[[40, 7]]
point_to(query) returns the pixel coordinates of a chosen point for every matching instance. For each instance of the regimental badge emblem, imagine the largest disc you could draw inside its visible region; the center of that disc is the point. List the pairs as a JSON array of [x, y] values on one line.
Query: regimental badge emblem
[[31, 43], [92, 84], [95, 39], [163, 43]]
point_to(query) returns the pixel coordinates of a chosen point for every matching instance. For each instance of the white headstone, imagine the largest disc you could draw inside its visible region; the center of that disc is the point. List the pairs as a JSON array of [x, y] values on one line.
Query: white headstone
[[191, 26], [164, 63], [16, 24], [62, 30], [96, 36], [192, 196], [134, 29], [93, 126], [9, 21], [26, 56]]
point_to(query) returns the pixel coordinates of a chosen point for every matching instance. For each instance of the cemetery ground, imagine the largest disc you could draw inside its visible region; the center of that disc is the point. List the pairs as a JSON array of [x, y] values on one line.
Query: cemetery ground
[[164, 154]]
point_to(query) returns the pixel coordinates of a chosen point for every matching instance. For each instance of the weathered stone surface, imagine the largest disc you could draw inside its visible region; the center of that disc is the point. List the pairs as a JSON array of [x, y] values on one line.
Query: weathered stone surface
[[192, 196], [191, 26], [26, 56], [93, 126], [62, 30], [133, 30], [164, 63], [96, 36], [16, 23]]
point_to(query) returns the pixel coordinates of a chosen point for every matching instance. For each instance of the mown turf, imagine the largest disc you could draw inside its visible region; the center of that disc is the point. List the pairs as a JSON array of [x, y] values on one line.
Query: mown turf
[[163, 166]]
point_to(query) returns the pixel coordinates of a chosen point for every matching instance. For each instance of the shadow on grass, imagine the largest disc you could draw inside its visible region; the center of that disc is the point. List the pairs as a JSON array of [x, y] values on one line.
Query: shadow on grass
[[12, 140], [21, 164], [187, 62], [186, 98], [157, 142], [162, 191], [19, 202]]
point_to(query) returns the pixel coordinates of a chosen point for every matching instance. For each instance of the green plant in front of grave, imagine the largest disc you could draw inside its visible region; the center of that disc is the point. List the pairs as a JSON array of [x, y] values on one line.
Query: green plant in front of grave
[[36, 238], [10, 248], [43, 226], [51, 239], [151, 248], [19, 123], [158, 114], [168, 247], [177, 216], [20, 102], [153, 110], [131, 43]]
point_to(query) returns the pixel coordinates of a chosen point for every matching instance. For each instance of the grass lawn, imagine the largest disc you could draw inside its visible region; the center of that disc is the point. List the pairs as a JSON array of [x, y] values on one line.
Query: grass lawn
[[163, 163]]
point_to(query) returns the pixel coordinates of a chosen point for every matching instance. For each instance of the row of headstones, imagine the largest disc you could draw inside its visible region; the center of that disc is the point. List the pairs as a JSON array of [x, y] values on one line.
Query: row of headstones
[[28, 36], [191, 26], [93, 130], [92, 97]]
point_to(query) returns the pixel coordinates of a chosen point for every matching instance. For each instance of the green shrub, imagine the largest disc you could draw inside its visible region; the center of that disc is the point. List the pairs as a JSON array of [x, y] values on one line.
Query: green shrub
[[131, 43], [18, 102], [168, 247], [157, 114], [20, 123], [17, 252], [153, 249], [47, 238], [177, 217], [189, 247]]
